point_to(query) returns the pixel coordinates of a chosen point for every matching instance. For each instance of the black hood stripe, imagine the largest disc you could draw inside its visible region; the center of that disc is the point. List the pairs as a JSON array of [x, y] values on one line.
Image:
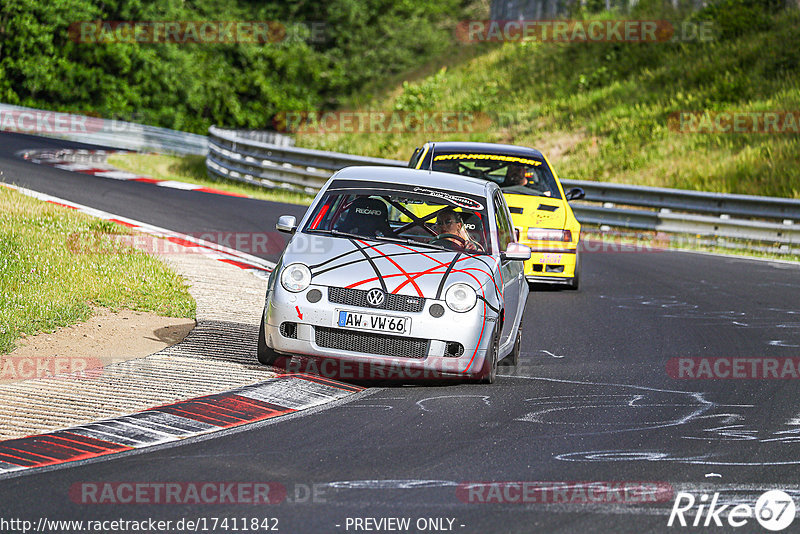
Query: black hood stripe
[[326, 262], [359, 260], [445, 275], [372, 263], [488, 305]]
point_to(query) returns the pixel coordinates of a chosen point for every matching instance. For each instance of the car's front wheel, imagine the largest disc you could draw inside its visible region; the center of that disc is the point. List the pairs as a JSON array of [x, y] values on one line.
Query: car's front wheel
[[266, 355], [513, 357], [489, 369]]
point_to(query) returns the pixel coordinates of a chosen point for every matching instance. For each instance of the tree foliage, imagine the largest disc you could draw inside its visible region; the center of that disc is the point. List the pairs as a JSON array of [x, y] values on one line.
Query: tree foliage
[[188, 86]]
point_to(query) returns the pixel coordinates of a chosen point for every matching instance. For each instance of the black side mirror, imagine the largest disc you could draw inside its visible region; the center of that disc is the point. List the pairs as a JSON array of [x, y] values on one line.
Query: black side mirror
[[575, 194]]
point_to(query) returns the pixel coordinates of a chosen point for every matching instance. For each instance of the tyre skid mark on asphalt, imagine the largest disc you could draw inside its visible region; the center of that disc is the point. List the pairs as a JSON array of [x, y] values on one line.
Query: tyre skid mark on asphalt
[[698, 420], [421, 403], [277, 396]]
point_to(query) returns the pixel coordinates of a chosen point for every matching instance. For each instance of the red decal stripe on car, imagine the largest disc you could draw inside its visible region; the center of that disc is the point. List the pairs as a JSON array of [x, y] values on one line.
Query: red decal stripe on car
[[379, 251]]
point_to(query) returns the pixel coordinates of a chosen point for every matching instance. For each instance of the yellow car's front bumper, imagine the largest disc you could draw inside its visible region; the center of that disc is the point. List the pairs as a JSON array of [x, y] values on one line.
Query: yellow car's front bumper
[[551, 263]]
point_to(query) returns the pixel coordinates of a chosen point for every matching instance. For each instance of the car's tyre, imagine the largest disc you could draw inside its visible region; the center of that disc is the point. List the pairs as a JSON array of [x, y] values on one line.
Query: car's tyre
[[513, 357], [266, 355], [489, 369], [576, 279]]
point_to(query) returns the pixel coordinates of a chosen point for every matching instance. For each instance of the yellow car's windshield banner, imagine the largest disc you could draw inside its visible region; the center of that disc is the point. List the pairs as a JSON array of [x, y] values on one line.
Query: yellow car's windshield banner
[[496, 157]]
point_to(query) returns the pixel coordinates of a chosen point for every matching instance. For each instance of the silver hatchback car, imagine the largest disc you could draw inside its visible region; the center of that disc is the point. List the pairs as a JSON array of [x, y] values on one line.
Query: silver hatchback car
[[399, 273]]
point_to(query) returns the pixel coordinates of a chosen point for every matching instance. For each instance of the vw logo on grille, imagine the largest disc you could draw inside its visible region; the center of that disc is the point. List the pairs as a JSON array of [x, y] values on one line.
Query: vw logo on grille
[[375, 297]]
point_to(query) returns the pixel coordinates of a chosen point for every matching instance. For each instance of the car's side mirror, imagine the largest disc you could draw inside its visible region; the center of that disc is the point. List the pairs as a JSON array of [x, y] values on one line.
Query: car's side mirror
[[575, 194], [286, 224], [516, 252]]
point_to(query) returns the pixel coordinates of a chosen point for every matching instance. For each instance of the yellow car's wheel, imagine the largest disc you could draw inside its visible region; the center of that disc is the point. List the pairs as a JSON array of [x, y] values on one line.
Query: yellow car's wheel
[[576, 279]]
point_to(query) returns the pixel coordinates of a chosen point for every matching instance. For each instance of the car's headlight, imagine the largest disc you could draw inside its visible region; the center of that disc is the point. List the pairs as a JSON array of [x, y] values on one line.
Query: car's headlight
[[296, 277], [546, 234], [460, 298]]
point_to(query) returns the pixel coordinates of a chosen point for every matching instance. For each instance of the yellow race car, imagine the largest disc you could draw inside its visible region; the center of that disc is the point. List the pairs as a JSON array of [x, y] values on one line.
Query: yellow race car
[[539, 206]]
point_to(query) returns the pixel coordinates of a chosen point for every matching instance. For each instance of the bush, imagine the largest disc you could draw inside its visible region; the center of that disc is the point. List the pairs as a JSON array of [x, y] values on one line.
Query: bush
[[191, 86]]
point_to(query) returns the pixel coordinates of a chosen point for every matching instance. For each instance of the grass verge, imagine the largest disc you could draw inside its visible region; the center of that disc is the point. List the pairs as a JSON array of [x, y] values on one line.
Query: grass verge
[[192, 169], [51, 278], [606, 110]]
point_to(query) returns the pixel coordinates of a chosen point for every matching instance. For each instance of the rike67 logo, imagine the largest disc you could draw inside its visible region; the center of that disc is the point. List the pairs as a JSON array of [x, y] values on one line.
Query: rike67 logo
[[774, 510]]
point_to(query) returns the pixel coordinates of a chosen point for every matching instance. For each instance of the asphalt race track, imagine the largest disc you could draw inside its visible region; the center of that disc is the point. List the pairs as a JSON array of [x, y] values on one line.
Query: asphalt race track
[[198, 213], [591, 401]]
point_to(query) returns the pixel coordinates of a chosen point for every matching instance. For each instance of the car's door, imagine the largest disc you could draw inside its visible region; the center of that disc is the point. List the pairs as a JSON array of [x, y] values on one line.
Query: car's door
[[511, 271]]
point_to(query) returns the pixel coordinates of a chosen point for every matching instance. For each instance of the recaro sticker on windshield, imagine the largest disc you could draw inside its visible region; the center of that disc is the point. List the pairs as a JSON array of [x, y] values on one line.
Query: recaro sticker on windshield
[[455, 200], [495, 157]]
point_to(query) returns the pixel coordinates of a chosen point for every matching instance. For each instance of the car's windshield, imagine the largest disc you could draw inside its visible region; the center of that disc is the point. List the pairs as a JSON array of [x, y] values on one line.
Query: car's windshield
[[514, 174], [405, 214]]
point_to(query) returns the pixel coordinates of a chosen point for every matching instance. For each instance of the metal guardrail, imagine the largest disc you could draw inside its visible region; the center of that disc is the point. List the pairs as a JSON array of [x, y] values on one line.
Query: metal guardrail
[[720, 215], [683, 200], [96, 131], [237, 157]]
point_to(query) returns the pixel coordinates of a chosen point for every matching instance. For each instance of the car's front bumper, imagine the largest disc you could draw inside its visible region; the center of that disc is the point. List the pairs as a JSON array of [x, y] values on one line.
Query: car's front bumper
[[429, 350], [551, 262]]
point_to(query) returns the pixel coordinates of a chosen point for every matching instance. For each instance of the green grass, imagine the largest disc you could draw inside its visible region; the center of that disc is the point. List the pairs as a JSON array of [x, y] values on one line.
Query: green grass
[[601, 111], [56, 264], [192, 169]]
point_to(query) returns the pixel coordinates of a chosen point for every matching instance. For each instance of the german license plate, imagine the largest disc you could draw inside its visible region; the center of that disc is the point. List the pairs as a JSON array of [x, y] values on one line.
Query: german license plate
[[373, 322]]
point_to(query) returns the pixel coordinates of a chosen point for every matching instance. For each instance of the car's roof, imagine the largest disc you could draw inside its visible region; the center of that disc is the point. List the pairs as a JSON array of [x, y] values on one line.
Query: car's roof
[[486, 148], [414, 177]]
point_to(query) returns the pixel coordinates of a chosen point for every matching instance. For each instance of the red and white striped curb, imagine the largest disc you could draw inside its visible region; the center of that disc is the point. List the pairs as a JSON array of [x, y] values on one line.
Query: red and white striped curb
[[277, 396], [58, 160], [231, 256]]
